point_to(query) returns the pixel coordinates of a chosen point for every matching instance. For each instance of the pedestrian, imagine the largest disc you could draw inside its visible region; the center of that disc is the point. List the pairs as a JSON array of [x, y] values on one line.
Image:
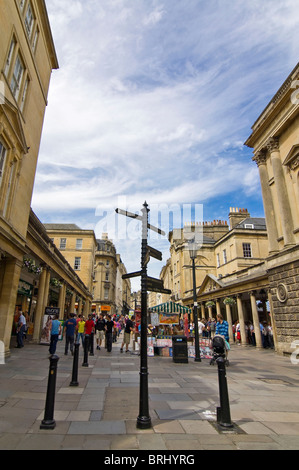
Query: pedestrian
[[222, 330], [69, 331], [80, 330], [127, 333], [21, 327], [109, 332], [55, 330], [100, 330], [89, 331]]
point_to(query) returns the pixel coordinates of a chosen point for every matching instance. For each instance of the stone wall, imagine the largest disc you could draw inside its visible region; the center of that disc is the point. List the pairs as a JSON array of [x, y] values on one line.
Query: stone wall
[[284, 284]]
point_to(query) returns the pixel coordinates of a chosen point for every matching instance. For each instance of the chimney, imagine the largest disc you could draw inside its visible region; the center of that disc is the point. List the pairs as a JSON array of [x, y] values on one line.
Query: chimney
[[236, 215]]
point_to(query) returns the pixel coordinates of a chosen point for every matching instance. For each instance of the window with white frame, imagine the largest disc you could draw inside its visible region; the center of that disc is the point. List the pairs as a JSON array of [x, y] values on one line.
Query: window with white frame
[[79, 244], [17, 77], [2, 160], [29, 20], [77, 264], [62, 245], [247, 250], [106, 293], [224, 257], [218, 260], [10, 56]]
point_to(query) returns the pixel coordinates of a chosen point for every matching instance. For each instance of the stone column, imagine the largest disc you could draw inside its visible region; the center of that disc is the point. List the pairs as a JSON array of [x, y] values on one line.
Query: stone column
[[8, 299], [241, 319], [273, 323], [218, 309], [61, 300], [256, 321], [260, 159], [86, 308], [281, 191], [39, 305], [79, 307], [73, 301], [230, 322], [203, 311]]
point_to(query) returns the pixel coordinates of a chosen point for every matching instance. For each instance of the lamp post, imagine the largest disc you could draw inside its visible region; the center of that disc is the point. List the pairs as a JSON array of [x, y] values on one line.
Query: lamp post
[[193, 251]]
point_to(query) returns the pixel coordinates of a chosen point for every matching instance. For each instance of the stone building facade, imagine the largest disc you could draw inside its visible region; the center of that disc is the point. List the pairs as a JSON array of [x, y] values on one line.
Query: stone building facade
[[27, 59], [275, 143]]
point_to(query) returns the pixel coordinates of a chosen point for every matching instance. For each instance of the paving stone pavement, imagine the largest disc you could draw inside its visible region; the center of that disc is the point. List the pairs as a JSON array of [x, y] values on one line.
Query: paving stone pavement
[[101, 412]]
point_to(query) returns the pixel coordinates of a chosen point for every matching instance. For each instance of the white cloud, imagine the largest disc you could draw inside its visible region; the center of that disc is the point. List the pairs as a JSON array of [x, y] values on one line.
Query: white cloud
[[153, 99]]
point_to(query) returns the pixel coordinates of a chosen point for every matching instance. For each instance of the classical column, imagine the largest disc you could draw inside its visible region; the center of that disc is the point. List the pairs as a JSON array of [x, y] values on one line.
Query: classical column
[[218, 309], [202, 310], [256, 321], [73, 301], [281, 190], [61, 300], [8, 299], [79, 312], [86, 308], [39, 304], [260, 159], [230, 322], [273, 323], [241, 319]]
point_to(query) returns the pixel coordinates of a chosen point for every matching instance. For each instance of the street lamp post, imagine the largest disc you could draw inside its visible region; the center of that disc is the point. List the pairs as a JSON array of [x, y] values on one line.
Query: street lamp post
[[193, 252]]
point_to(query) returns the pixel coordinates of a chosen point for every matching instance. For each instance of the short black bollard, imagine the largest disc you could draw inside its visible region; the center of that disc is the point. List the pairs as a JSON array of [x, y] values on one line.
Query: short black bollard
[[48, 421], [74, 381], [223, 413], [86, 347]]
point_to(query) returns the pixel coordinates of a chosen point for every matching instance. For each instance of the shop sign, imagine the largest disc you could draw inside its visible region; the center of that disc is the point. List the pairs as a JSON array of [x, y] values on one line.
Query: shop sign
[[105, 308], [25, 288]]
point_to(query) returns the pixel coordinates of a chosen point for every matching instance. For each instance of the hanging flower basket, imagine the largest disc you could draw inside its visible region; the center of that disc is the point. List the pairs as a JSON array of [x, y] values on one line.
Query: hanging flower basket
[[229, 301], [210, 303], [54, 282], [29, 264]]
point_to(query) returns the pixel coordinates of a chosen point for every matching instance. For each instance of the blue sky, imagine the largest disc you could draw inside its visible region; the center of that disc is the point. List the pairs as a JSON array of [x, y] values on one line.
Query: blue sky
[[153, 101]]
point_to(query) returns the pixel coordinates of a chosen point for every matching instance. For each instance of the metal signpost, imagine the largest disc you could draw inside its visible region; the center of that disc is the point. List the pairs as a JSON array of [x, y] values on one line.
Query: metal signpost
[[147, 284]]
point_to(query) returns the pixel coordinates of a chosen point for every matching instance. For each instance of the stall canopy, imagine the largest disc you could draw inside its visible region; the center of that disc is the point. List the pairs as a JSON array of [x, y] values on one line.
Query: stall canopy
[[170, 307]]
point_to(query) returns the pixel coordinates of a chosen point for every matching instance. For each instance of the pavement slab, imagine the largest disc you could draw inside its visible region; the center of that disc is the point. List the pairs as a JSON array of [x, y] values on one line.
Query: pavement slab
[[101, 412]]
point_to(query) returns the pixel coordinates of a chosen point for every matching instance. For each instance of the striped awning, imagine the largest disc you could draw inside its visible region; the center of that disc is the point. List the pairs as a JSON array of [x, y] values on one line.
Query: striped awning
[[170, 307]]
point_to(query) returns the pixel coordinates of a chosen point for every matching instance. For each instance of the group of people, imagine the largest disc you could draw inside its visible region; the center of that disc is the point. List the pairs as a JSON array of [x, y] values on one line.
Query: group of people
[[266, 334], [105, 328]]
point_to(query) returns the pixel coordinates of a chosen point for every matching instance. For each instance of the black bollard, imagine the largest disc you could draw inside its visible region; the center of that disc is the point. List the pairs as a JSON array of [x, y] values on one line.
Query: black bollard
[[48, 421], [74, 382], [86, 347], [91, 341], [223, 413]]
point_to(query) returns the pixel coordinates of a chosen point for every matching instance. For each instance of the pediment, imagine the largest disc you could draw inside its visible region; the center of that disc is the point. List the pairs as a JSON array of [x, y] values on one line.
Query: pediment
[[292, 159], [210, 284], [11, 124]]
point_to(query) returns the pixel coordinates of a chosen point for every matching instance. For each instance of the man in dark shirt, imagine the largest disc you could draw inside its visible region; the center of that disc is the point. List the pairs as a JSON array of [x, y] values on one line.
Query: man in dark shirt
[[69, 329], [100, 330], [109, 331], [127, 333]]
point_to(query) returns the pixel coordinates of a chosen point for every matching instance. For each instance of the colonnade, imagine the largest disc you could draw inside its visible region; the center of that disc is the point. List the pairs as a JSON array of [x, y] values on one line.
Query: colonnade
[[239, 302]]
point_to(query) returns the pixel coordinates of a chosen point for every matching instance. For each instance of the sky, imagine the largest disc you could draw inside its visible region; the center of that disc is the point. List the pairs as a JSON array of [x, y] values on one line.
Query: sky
[[153, 101]]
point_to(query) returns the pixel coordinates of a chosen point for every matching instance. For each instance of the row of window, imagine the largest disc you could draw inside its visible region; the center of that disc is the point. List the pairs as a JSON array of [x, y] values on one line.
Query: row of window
[[15, 69], [62, 243], [247, 253]]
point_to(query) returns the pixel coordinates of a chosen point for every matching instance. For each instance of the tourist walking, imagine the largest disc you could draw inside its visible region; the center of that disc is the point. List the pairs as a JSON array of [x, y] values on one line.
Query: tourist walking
[[109, 332], [54, 333], [21, 330], [69, 331], [127, 333]]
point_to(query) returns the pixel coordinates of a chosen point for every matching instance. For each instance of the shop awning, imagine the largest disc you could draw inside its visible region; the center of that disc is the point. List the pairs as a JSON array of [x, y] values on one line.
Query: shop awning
[[170, 307]]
